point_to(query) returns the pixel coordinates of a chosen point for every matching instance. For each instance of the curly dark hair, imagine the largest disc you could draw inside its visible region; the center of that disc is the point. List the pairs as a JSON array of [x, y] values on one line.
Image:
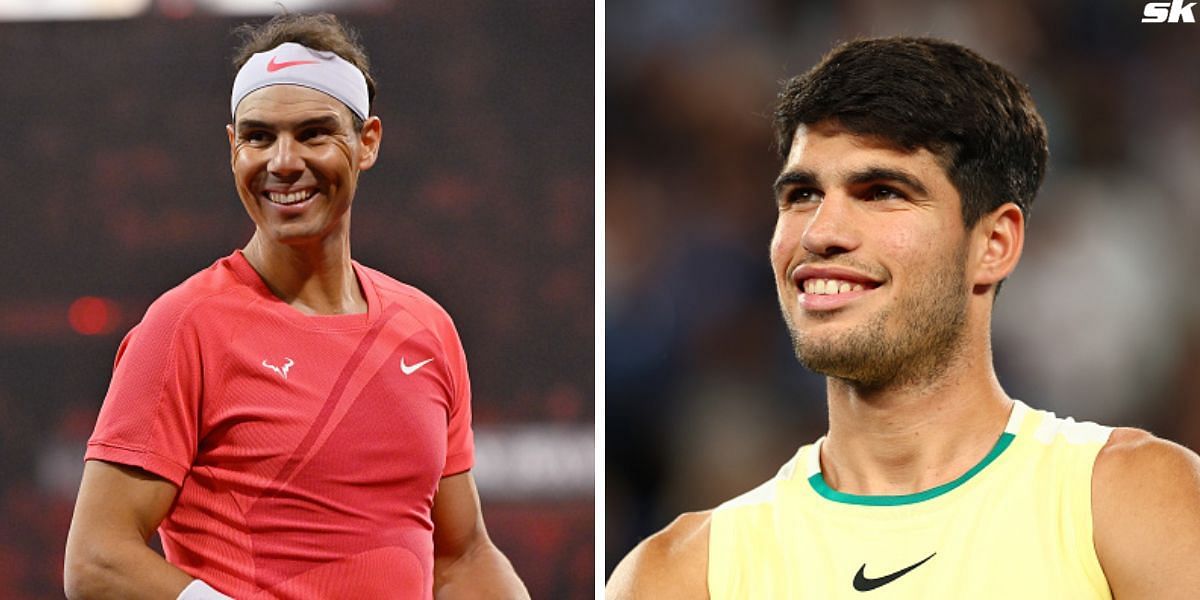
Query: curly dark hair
[[975, 116], [320, 32]]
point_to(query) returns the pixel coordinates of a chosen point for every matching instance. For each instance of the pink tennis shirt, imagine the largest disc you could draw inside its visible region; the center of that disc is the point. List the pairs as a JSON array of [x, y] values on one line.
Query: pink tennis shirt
[[307, 449]]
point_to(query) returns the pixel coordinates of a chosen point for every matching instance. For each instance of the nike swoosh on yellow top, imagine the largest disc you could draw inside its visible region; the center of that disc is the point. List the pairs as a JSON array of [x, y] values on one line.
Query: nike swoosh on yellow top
[[863, 583]]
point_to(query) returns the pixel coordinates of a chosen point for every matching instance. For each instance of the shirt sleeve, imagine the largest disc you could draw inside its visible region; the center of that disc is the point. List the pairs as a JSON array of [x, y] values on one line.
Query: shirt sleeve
[[460, 440], [150, 415]]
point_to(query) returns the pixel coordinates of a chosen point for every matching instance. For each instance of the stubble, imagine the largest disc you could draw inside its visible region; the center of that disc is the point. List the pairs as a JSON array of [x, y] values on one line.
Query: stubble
[[911, 342]]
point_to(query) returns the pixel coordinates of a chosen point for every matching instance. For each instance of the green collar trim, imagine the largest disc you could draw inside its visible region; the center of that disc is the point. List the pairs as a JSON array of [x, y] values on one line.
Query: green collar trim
[[818, 483]]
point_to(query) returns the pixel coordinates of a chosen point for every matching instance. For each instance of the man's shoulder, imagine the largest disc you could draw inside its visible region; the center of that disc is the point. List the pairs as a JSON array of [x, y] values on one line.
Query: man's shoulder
[[393, 289], [1146, 512], [1137, 466], [672, 563], [414, 300], [1135, 456], [207, 287]]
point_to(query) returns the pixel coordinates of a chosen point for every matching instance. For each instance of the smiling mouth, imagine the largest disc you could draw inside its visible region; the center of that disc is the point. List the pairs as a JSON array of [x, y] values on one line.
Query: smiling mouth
[[829, 287], [289, 198]]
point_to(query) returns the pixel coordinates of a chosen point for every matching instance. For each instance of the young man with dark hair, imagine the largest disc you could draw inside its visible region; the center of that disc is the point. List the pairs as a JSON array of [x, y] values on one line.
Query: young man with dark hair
[[909, 169], [294, 424]]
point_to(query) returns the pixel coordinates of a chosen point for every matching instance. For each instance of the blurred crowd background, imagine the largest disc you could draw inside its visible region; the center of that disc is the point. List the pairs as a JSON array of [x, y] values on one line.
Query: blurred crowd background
[[704, 399], [116, 167]]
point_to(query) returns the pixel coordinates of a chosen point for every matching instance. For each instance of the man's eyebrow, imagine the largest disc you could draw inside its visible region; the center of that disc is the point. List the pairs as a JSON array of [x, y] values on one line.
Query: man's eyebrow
[[252, 124], [874, 174], [802, 177], [324, 121]]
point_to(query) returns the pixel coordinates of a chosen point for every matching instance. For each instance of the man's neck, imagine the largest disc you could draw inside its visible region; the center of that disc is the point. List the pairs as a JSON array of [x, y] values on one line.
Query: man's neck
[[316, 279], [915, 437]]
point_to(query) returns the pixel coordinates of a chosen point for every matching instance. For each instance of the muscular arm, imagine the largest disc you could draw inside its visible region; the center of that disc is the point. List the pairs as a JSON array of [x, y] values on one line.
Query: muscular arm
[[117, 510], [465, 562], [1146, 516], [671, 564]]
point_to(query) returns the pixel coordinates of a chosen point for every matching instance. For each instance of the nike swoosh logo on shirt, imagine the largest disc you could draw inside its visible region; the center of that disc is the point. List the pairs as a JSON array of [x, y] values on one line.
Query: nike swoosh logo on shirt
[[273, 66], [410, 369], [863, 583]]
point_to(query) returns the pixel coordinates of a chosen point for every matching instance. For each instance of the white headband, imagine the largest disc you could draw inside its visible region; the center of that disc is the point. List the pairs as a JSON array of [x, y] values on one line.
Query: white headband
[[293, 64]]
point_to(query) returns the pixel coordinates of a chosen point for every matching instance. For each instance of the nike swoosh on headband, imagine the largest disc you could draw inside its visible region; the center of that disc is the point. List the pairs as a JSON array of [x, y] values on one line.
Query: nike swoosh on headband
[[275, 66]]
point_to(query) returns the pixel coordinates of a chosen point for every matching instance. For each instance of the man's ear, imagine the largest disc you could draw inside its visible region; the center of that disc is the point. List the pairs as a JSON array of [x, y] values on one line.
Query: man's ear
[[998, 240], [232, 143], [370, 136]]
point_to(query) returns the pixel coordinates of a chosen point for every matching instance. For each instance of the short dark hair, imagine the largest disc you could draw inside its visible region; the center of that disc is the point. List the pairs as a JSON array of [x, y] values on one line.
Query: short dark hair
[[975, 116], [320, 32]]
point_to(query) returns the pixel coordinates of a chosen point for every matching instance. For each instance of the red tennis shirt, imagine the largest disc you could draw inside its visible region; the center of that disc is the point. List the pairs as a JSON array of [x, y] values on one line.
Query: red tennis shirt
[[306, 449]]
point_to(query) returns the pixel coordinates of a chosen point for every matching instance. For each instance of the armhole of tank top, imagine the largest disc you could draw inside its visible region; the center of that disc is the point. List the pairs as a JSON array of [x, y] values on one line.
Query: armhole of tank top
[[718, 573], [1081, 484]]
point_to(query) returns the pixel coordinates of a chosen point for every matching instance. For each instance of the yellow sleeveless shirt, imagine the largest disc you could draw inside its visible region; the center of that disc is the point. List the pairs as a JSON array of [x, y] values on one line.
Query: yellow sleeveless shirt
[[1017, 525]]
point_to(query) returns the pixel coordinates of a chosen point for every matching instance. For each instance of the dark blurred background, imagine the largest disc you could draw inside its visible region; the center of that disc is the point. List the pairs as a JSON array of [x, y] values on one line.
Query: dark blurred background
[[118, 188], [704, 399]]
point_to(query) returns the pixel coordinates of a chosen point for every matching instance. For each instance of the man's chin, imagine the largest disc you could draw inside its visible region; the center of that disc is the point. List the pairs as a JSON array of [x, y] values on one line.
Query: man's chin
[[838, 367], [834, 355], [295, 236]]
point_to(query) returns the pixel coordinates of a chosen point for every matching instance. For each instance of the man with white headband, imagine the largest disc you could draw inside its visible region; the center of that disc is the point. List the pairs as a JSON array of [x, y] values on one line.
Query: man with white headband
[[294, 424]]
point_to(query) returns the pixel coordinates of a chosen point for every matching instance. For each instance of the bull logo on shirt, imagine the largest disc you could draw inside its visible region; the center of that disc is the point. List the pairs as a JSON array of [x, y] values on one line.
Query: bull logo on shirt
[[283, 371]]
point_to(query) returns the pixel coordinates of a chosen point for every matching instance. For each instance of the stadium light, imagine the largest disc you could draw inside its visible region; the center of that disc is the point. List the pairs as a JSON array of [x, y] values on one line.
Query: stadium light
[[69, 10]]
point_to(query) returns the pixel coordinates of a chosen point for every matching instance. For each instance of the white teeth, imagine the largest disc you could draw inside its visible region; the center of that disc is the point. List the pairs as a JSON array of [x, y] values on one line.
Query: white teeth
[[830, 286], [292, 198]]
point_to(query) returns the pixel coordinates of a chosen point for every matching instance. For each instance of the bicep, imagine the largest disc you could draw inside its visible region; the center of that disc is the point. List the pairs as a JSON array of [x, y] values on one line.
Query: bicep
[[117, 501], [457, 517], [1146, 508], [107, 556]]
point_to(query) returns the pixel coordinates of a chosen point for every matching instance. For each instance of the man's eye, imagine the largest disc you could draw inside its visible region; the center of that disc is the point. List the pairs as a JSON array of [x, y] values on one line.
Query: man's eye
[[255, 136], [884, 193], [309, 134], [801, 196]]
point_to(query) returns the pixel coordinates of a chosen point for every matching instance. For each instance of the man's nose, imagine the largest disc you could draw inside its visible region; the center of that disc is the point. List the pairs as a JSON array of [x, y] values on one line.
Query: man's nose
[[832, 229], [286, 159]]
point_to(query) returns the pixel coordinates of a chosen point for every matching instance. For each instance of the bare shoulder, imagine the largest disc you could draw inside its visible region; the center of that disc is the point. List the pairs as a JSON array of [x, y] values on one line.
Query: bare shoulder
[[1138, 472], [1134, 459], [671, 564], [1146, 515]]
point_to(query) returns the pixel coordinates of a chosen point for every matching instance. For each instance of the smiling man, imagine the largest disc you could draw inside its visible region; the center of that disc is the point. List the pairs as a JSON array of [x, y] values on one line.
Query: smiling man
[[909, 169], [294, 424]]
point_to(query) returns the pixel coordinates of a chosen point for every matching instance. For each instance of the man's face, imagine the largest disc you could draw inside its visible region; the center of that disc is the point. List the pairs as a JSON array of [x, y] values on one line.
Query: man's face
[[296, 158], [869, 257]]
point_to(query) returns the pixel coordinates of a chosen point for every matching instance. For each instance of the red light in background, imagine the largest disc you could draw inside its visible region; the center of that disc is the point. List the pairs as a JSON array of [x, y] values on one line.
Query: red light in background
[[90, 315]]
